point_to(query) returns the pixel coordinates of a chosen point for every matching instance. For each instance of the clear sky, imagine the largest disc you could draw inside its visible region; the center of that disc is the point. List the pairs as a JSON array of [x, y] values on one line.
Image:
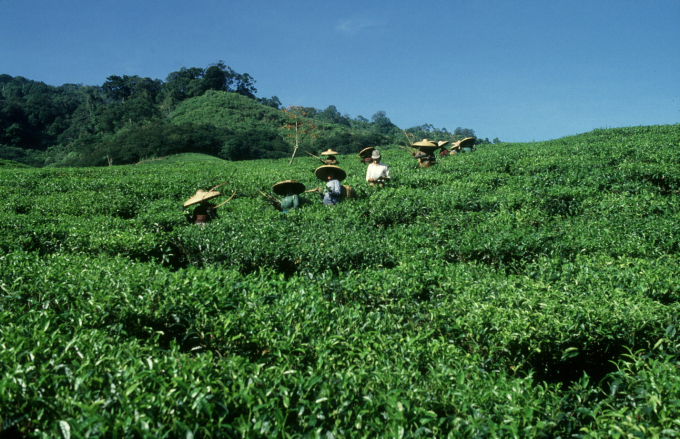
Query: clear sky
[[518, 70]]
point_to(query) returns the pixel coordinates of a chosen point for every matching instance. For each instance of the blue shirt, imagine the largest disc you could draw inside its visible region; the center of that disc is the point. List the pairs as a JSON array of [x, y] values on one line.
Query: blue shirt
[[332, 193]]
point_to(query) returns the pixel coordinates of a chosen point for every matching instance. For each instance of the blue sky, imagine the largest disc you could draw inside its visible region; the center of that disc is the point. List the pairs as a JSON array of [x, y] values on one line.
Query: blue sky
[[516, 70]]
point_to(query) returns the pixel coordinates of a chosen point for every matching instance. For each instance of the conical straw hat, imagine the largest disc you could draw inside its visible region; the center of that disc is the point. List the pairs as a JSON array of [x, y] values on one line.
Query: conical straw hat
[[286, 187], [426, 146], [466, 142], [201, 195], [442, 143], [322, 172], [424, 142], [329, 152], [366, 152]]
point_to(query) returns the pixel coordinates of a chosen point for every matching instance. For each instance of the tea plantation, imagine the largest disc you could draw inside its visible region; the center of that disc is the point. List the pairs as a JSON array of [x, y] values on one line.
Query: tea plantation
[[523, 290]]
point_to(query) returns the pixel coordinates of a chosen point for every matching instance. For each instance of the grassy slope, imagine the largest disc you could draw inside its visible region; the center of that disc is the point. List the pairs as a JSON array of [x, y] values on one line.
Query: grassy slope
[[188, 157]]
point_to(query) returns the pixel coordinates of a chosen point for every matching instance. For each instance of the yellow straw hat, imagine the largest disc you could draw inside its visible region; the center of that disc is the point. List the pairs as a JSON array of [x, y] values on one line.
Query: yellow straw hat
[[329, 152], [426, 146], [201, 195], [424, 142]]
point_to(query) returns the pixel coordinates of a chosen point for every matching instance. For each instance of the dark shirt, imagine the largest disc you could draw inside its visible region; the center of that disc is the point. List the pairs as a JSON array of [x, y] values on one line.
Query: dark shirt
[[203, 213]]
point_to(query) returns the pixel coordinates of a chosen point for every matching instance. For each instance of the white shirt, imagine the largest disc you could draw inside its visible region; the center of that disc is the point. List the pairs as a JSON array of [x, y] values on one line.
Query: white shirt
[[377, 171]]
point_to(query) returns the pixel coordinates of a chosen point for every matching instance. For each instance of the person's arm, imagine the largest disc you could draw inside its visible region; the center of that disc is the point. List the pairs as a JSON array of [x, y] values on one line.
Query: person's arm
[[296, 201]]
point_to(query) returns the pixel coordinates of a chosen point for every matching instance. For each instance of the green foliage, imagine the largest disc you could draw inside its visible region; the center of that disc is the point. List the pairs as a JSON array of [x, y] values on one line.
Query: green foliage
[[523, 291], [11, 164], [155, 140], [72, 125]]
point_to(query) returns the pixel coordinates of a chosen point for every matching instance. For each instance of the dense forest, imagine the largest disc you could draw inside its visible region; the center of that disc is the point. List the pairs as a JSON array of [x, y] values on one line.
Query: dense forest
[[211, 110]]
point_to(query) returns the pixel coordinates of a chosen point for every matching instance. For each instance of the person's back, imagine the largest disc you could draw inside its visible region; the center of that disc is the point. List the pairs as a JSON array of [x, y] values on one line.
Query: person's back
[[290, 202], [333, 192]]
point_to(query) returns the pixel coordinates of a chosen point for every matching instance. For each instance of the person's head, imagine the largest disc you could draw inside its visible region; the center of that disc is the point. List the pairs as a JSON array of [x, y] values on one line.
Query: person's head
[[375, 156]]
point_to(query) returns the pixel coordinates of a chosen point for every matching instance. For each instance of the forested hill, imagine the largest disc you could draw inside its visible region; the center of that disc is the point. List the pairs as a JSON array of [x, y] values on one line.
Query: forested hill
[[212, 110]]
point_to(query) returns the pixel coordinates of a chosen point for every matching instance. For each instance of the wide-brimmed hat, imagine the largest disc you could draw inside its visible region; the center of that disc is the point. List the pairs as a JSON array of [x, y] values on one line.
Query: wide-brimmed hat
[[366, 152], [466, 142], [426, 146], [375, 155], [442, 143], [286, 187], [322, 172], [424, 142], [329, 152], [201, 195]]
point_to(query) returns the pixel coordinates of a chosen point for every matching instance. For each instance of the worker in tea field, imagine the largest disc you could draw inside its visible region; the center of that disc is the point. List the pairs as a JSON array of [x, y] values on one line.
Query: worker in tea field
[[365, 155], [290, 190], [332, 175], [376, 172], [330, 157], [425, 153], [205, 211], [465, 145], [443, 152]]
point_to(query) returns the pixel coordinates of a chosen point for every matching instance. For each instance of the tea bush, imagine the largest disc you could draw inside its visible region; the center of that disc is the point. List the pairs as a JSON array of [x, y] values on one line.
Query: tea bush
[[525, 290]]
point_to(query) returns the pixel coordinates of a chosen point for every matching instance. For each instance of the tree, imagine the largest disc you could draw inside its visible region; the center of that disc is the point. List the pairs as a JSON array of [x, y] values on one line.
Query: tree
[[273, 102], [332, 115], [298, 126], [382, 124], [464, 132]]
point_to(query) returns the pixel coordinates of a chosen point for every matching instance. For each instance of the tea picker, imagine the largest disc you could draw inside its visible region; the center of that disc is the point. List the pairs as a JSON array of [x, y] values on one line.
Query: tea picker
[[425, 153], [465, 145], [443, 152], [330, 157], [290, 190], [205, 211], [376, 172], [334, 191], [365, 155]]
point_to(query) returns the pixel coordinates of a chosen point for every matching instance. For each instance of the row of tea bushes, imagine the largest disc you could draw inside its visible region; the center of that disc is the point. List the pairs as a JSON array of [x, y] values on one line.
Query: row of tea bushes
[[104, 345], [385, 228]]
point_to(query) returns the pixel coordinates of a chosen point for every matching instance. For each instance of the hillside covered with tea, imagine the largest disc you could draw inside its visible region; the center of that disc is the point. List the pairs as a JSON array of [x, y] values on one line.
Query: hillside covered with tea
[[523, 290]]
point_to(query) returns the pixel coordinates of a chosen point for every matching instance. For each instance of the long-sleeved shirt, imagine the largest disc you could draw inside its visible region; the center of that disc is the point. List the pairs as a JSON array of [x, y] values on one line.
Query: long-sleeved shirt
[[332, 193], [374, 172]]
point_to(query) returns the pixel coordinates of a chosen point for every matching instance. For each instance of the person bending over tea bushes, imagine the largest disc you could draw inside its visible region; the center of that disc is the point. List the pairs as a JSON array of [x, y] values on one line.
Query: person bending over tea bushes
[[290, 191], [330, 157], [205, 211], [332, 175]]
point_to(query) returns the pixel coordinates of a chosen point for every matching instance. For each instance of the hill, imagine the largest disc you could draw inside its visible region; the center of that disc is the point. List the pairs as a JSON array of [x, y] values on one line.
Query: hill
[[524, 290], [211, 111]]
